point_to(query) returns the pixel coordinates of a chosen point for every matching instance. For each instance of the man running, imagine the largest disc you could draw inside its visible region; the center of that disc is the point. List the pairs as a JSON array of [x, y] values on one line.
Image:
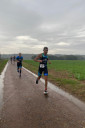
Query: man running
[[11, 59], [19, 63], [14, 58], [43, 58]]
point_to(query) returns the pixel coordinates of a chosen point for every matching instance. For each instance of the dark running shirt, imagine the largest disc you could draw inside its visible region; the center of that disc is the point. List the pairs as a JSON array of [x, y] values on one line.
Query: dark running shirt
[[44, 59], [14, 58], [19, 59]]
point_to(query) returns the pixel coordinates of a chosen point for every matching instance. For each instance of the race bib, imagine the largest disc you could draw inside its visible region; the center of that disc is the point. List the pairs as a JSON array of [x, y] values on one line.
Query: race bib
[[42, 65]]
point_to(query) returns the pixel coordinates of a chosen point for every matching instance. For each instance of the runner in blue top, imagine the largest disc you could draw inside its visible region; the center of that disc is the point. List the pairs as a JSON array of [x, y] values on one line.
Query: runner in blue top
[[43, 59], [19, 63]]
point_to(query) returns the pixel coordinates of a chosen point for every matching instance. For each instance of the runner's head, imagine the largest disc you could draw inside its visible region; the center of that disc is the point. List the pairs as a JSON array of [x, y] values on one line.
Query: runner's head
[[45, 49], [20, 54]]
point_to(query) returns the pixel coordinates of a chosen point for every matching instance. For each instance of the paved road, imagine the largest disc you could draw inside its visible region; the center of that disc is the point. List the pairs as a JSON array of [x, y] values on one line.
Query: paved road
[[25, 105]]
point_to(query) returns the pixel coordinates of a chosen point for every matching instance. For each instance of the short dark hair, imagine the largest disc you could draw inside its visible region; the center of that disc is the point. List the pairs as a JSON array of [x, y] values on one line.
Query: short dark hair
[[45, 48]]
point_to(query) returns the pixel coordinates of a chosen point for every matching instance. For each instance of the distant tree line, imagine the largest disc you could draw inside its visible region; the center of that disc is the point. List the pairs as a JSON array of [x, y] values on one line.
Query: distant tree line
[[51, 57], [64, 57]]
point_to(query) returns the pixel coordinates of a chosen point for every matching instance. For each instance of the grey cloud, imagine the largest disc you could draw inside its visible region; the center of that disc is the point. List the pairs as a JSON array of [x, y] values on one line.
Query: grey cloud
[[18, 20], [48, 21]]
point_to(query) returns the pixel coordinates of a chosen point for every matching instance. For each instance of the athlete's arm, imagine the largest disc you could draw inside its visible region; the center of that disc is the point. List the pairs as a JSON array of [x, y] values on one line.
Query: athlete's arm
[[17, 59], [37, 58], [49, 61], [22, 59]]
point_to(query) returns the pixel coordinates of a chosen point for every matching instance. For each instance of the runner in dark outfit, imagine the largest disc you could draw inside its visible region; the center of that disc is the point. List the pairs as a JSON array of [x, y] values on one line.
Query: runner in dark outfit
[[19, 63], [43, 58], [14, 58], [11, 59]]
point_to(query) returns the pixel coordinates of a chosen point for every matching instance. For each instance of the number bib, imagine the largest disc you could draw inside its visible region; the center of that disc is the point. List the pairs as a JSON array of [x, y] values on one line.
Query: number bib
[[42, 65]]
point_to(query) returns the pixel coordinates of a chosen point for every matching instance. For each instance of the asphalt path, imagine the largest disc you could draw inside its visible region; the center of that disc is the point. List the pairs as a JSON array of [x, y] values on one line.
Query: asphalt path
[[26, 106]]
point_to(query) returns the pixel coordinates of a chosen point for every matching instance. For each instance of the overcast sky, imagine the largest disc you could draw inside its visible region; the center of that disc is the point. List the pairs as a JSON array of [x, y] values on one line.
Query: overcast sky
[[27, 26]]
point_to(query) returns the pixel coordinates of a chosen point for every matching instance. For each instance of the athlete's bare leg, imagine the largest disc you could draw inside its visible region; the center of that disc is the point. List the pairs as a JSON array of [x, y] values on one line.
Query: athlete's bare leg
[[20, 70], [38, 79], [46, 81]]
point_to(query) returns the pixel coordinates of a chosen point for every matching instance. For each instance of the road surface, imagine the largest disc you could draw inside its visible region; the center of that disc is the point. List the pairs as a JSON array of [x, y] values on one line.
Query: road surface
[[25, 105]]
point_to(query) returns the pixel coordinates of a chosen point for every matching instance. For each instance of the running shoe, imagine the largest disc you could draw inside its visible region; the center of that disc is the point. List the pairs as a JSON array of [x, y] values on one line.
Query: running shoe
[[36, 81], [45, 92]]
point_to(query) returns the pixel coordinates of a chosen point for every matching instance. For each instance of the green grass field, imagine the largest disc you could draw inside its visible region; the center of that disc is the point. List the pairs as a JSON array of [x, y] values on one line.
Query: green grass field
[[2, 65], [67, 74], [76, 68]]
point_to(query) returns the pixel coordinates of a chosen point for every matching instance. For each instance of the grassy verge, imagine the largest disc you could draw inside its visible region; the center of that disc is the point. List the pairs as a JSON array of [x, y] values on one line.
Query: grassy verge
[[2, 65], [63, 74]]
